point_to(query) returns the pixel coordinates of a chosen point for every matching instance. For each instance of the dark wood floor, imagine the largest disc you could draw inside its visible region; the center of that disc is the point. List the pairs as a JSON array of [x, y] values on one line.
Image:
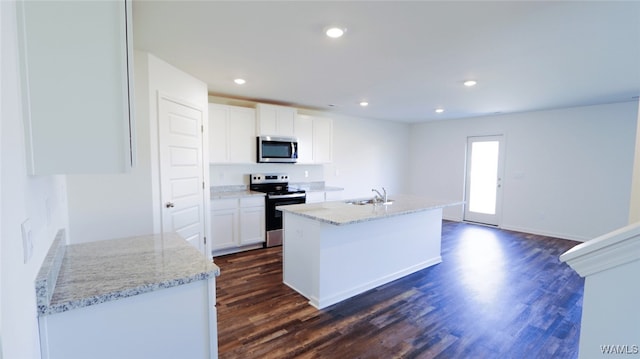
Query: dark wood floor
[[497, 294]]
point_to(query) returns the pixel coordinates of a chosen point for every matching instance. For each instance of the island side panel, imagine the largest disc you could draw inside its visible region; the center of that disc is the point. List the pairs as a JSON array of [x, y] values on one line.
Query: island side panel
[[358, 257], [300, 248], [327, 263]]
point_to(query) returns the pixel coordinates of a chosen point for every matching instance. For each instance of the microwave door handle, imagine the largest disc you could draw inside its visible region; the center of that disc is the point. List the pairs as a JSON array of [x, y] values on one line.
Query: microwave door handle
[[293, 150]]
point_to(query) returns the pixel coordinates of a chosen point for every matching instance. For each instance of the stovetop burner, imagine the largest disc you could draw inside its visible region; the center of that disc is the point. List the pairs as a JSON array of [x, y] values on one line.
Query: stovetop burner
[[272, 184]]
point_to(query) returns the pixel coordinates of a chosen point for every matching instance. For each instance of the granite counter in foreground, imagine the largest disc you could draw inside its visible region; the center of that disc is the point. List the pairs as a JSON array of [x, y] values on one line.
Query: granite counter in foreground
[[342, 212], [81, 275]]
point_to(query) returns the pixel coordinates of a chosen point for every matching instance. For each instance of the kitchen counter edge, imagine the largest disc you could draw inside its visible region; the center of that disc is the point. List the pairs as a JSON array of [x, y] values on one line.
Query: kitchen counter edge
[[341, 213], [51, 277]]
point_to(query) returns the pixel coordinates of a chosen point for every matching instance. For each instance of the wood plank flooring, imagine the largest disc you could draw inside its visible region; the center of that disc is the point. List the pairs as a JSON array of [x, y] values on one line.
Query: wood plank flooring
[[497, 294]]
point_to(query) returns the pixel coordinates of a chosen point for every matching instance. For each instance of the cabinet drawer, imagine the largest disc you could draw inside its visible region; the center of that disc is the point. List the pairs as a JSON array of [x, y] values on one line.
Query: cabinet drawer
[[228, 203], [252, 201]]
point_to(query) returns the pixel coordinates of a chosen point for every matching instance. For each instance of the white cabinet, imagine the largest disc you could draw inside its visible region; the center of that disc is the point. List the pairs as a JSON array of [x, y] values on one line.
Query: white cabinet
[[275, 120], [252, 220], [315, 197], [304, 133], [176, 322], [237, 223], [322, 140], [232, 134], [76, 63], [224, 223], [333, 195], [315, 139]]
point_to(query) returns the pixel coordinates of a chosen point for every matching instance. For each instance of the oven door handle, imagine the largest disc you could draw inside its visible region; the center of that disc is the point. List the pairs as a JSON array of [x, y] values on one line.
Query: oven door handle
[[292, 195]]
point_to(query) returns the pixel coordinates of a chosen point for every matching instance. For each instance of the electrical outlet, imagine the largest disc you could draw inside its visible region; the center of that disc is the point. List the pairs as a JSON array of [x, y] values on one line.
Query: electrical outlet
[[306, 174], [27, 240]]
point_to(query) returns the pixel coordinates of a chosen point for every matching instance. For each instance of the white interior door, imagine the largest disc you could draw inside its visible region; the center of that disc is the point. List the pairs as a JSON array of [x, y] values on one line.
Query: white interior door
[[181, 171], [484, 179]]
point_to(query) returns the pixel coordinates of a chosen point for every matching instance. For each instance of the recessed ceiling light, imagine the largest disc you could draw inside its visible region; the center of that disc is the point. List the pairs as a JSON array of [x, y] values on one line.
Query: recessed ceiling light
[[364, 103], [439, 110], [335, 32], [470, 83], [240, 81]]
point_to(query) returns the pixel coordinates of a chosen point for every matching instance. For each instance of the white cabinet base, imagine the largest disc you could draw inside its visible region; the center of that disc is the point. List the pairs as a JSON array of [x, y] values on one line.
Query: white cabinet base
[[177, 322], [328, 263]]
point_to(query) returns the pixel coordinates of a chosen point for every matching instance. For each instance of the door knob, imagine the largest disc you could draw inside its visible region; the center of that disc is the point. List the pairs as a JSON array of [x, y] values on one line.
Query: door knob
[[169, 205]]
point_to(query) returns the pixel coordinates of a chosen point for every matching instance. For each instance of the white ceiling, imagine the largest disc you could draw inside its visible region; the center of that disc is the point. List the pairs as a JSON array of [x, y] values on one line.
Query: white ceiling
[[404, 58]]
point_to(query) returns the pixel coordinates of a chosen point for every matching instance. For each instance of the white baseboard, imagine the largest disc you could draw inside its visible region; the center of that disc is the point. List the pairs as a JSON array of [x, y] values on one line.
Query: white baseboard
[[359, 289]]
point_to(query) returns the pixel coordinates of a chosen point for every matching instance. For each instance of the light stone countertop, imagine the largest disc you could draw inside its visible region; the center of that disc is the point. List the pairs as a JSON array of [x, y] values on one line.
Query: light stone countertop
[[226, 192], [80, 275], [315, 187], [235, 194], [341, 213]]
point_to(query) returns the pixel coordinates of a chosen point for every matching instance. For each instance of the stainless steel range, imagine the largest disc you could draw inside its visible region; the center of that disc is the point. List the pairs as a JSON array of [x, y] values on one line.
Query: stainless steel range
[[276, 186]]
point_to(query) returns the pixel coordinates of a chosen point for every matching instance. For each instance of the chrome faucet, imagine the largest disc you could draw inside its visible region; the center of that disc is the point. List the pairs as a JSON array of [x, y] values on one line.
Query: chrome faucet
[[383, 198]]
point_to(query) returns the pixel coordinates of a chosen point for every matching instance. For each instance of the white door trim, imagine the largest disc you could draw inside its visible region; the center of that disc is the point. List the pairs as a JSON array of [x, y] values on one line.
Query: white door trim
[[156, 170], [490, 219]]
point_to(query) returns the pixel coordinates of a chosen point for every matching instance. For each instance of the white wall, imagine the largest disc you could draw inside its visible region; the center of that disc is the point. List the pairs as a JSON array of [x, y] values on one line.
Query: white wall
[[634, 210], [119, 205], [237, 174], [112, 206], [369, 154], [40, 199], [567, 172]]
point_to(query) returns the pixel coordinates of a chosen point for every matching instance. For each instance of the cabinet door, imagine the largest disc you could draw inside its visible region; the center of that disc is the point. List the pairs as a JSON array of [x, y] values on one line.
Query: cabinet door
[[286, 121], [75, 69], [304, 133], [322, 140], [242, 135], [275, 120], [333, 195], [252, 225], [315, 197], [224, 224], [218, 133]]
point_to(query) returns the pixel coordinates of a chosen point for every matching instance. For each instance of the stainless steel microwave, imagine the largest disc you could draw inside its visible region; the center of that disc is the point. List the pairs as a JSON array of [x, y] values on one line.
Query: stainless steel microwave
[[277, 149]]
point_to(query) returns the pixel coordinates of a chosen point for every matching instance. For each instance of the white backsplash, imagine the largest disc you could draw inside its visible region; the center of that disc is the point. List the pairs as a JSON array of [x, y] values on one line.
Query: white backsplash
[[230, 175]]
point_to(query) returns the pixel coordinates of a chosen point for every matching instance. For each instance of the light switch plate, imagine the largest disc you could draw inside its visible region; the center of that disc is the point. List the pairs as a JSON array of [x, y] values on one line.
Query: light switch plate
[[27, 240]]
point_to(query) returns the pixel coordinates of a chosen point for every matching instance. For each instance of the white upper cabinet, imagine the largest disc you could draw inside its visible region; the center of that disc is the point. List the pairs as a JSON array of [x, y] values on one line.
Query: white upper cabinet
[[232, 134], [322, 140], [275, 120], [315, 139], [304, 133], [76, 61]]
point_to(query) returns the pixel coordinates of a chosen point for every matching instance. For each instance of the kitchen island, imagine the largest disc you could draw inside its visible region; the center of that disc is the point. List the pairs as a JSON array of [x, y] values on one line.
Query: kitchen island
[[335, 250]]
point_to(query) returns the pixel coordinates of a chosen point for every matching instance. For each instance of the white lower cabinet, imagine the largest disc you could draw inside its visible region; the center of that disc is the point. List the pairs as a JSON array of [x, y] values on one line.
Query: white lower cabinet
[[326, 196], [225, 215], [176, 322], [314, 197], [237, 223], [333, 196]]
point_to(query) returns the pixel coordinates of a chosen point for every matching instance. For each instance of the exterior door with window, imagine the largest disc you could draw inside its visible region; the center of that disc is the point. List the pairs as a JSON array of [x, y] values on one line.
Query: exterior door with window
[[483, 186]]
